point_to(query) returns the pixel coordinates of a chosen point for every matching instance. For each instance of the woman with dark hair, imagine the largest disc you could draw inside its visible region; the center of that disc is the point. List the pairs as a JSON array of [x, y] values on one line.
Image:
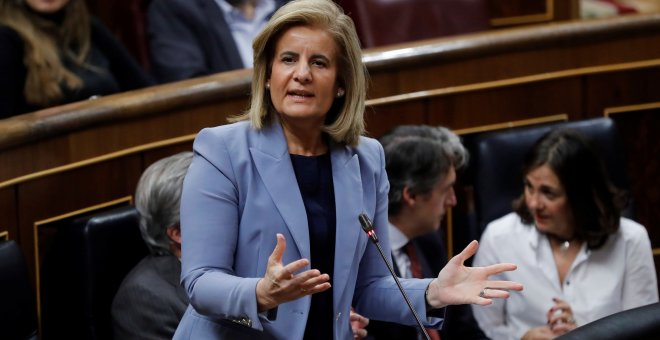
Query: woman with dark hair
[[579, 259], [54, 53]]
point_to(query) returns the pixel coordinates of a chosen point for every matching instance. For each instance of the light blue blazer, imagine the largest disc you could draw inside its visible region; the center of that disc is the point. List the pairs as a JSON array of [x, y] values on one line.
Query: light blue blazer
[[239, 192]]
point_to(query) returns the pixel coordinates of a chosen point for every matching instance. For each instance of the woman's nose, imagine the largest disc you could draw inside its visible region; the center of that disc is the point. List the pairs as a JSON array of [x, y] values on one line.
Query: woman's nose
[[534, 202], [302, 73]]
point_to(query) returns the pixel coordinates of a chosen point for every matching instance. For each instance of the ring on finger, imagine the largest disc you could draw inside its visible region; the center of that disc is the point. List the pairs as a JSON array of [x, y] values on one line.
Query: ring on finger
[[482, 293], [570, 319]]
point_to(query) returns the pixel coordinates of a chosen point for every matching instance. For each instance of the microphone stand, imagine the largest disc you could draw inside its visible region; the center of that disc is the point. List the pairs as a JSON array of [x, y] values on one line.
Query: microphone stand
[[369, 229]]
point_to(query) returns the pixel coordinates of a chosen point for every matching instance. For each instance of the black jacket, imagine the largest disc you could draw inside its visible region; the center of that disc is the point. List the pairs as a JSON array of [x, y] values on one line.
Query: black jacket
[[114, 70], [190, 38]]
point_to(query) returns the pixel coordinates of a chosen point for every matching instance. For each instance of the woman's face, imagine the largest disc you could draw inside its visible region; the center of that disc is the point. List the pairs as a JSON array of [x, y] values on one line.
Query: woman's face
[[47, 6], [547, 202], [303, 80]]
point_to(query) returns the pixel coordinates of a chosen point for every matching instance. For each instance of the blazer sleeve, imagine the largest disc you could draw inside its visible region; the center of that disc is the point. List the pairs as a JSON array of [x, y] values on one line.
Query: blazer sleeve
[[209, 229], [377, 295], [175, 47]]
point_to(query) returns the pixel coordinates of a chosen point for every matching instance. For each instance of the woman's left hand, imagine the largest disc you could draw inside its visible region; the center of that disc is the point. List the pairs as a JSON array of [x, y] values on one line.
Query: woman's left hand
[[560, 317], [457, 284]]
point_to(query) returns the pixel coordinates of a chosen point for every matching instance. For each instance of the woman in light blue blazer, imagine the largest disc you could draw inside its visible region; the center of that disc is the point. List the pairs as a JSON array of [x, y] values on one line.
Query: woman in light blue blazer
[[271, 244]]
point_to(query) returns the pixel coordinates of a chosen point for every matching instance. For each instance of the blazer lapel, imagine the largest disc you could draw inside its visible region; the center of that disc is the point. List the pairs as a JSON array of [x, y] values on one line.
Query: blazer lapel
[[348, 205], [271, 158]]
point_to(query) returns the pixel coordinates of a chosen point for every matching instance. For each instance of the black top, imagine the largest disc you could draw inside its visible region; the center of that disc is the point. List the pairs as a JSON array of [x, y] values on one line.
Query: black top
[[314, 175], [114, 71]]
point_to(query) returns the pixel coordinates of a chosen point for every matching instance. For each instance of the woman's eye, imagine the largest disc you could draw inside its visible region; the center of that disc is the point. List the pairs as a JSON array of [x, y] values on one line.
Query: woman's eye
[[550, 194], [319, 63], [287, 60]]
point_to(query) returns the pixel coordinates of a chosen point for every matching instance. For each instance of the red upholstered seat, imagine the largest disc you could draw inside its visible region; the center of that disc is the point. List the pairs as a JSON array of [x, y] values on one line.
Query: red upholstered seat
[[384, 22], [126, 19]]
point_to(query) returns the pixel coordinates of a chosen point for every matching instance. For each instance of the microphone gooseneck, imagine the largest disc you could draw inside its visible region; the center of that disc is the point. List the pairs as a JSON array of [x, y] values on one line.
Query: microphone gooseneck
[[369, 229]]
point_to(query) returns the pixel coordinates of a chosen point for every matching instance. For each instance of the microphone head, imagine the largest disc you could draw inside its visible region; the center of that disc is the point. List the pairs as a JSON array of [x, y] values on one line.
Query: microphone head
[[365, 223], [368, 227]]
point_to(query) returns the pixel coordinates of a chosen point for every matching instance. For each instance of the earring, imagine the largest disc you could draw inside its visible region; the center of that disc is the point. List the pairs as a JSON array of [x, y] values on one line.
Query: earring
[[267, 86], [340, 93]]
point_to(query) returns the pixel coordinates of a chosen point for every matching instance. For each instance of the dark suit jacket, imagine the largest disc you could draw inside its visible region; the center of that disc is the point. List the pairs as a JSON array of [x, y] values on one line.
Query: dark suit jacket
[[190, 38], [150, 301], [459, 322]]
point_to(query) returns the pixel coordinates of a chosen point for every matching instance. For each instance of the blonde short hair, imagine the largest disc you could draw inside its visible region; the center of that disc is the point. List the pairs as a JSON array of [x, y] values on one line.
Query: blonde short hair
[[345, 120]]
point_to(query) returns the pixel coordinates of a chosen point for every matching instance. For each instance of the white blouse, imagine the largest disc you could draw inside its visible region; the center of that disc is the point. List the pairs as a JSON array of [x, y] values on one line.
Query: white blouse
[[620, 275]]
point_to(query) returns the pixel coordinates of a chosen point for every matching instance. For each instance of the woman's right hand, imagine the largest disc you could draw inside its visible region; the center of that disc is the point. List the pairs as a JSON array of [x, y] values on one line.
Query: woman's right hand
[[280, 284], [560, 317]]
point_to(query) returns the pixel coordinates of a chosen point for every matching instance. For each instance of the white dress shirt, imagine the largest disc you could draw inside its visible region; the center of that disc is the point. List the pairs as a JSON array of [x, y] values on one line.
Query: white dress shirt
[[620, 275], [398, 242], [244, 30]]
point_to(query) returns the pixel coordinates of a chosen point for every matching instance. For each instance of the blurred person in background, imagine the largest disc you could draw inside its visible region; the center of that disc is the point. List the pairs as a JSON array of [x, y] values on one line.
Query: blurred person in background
[[54, 52], [579, 259], [195, 38], [421, 162], [150, 301]]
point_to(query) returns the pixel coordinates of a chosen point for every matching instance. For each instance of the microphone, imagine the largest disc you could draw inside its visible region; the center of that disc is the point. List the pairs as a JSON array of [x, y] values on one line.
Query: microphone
[[369, 229]]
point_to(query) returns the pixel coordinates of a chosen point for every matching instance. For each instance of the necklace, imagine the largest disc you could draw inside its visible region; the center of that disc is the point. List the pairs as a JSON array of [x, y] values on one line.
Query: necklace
[[563, 245]]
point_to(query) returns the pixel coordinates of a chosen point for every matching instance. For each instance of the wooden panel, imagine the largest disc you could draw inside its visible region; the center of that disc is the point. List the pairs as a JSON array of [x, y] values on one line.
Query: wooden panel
[[511, 124], [69, 191], [380, 119], [123, 135], [520, 12], [640, 128], [516, 8], [86, 129], [8, 220], [507, 104], [151, 156], [504, 66], [566, 10], [24, 160], [621, 88]]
